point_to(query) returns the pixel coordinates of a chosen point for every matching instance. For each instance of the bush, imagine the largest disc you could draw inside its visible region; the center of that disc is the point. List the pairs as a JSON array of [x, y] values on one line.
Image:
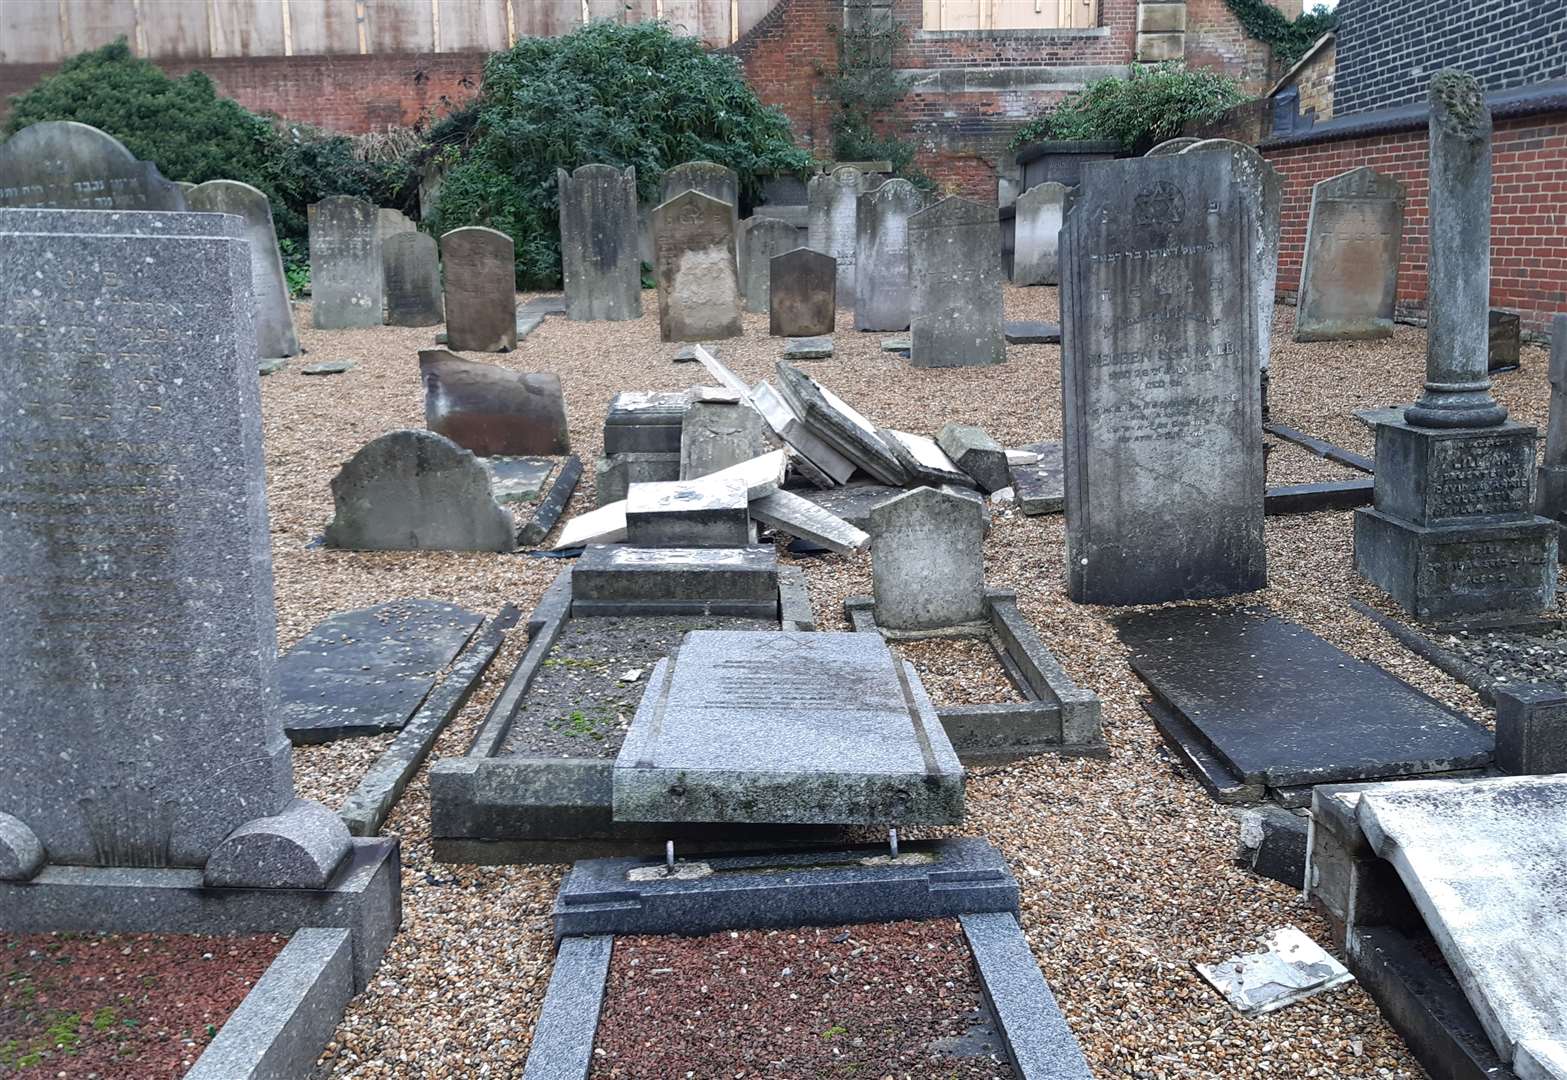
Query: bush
[[1154, 104], [620, 95], [1289, 40]]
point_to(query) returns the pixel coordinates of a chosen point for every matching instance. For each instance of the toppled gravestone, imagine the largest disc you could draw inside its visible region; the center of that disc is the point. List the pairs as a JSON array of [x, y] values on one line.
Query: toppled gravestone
[[977, 454], [491, 410]]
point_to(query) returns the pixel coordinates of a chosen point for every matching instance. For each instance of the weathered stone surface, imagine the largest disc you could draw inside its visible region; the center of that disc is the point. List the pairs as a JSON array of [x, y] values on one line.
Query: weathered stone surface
[[491, 410], [605, 525], [621, 580], [977, 454], [329, 367], [1349, 277], [417, 491], [808, 348], [21, 855], [1028, 332], [600, 258], [703, 513], [836, 423], [694, 261], [787, 512], [480, 273], [389, 221], [274, 317], [614, 474], [834, 213], [645, 422], [927, 561], [883, 293], [761, 239], [786, 728], [1040, 486], [955, 266], [298, 847], [1172, 146], [1531, 729], [1503, 341], [924, 459], [63, 165], [825, 465], [715, 435], [1036, 257], [138, 711], [1551, 489], [1161, 383], [346, 283], [802, 298], [711, 179], [412, 264]]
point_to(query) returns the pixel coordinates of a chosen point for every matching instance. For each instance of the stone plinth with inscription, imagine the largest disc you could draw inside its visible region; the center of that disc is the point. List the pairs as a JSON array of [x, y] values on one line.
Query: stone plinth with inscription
[[1349, 278], [63, 165], [786, 728], [347, 284], [1161, 383], [138, 716], [694, 261]]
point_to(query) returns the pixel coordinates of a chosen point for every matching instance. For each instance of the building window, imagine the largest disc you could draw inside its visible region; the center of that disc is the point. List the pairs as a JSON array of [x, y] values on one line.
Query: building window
[[1010, 14]]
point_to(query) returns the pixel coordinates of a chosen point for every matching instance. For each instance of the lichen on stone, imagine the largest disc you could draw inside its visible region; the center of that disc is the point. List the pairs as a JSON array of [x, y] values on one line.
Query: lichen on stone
[[1457, 104]]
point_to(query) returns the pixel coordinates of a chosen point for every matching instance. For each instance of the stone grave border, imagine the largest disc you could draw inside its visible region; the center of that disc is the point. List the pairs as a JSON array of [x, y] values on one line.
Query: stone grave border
[[547, 511], [1325, 495], [490, 808], [1057, 717], [1038, 1041]]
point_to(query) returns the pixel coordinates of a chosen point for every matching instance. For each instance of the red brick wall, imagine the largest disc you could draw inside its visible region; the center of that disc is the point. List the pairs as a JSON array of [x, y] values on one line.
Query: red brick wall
[[1215, 39], [1528, 210]]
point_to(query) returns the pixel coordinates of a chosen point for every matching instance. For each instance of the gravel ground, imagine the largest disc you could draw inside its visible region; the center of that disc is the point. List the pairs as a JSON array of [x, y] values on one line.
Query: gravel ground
[[1124, 864], [959, 671], [887, 1000], [1511, 657]]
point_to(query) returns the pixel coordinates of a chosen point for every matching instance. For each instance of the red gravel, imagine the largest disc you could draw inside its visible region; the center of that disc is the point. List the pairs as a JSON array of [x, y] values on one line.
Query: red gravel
[[865, 1001], [120, 1006]]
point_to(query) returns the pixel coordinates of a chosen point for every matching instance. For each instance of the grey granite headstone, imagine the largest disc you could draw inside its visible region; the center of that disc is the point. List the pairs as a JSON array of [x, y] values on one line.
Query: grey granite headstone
[[883, 294], [698, 281], [834, 213], [493, 410], [803, 294], [1036, 258], [927, 561], [710, 178], [1161, 383], [717, 434], [955, 266], [417, 491], [63, 165], [763, 237], [600, 259], [274, 317], [480, 269], [1349, 276], [1551, 497], [138, 715], [413, 279], [346, 277], [786, 727]]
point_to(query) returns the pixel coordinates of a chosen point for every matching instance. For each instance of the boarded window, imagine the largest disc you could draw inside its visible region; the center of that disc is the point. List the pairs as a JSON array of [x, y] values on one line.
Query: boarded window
[[1010, 14]]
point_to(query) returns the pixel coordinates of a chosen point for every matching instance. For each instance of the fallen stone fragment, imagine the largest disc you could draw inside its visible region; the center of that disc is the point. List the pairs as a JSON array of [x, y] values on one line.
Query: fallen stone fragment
[[1024, 332], [900, 343], [789, 513], [272, 366], [606, 525], [808, 348], [328, 367], [1290, 968], [926, 462], [493, 410], [977, 454]]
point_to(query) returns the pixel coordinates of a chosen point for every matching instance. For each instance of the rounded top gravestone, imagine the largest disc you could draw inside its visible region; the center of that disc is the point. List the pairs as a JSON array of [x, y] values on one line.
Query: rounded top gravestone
[[927, 561], [347, 280], [481, 289], [710, 178], [275, 335], [63, 165]]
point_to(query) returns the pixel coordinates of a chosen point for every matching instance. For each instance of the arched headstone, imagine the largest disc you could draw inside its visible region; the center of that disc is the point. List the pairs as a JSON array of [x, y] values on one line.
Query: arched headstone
[[274, 316], [802, 290], [63, 165], [698, 282], [710, 178], [763, 237], [413, 279], [1172, 146], [480, 268], [600, 259]]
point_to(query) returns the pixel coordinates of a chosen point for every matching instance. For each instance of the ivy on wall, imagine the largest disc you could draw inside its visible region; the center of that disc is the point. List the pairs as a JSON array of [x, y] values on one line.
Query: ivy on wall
[[1289, 40], [867, 86]]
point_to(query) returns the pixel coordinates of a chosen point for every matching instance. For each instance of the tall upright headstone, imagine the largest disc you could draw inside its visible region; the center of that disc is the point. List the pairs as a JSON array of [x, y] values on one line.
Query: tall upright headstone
[[762, 238], [698, 280], [1160, 383], [600, 259], [883, 294], [927, 560], [1551, 496], [710, 178], [480, 269], [63, 165], [347, 285], [1453, 531], [955, 267], [1036, 258], [1349, 276], [803, 304], [274, 317], [413, 279], [138, 715], [833, 221]]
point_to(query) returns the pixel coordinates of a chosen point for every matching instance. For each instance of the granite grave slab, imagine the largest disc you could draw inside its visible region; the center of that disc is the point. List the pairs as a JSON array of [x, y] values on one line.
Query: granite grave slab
[[927, 561], [620, 580]]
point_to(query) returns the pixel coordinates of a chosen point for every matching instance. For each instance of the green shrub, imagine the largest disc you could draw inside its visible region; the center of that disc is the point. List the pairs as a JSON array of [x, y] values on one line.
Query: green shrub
[[1289, 40], [1152, 105], [621, 95]]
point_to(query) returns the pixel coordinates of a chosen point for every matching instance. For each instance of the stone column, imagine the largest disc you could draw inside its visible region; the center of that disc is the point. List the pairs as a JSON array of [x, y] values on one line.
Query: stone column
[[1552, 488], [1458, 391]]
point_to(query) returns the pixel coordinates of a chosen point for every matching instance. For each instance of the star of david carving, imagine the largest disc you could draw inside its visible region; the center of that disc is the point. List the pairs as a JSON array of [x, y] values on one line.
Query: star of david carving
[[1161, 204]]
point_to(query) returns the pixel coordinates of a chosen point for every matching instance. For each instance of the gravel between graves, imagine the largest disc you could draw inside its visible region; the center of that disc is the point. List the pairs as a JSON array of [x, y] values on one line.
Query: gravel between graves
[[1513, 657], [959, 671], [1123, 863]]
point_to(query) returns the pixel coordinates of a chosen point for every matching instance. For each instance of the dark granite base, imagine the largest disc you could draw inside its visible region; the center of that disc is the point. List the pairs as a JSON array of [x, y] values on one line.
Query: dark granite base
[[1310, 498], [1452, 571], [1273, 844]]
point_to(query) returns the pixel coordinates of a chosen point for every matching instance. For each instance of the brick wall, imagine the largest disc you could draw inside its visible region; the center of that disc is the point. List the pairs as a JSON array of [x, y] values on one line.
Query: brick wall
[[1528, 214], [1388, 49], [1215, 39]]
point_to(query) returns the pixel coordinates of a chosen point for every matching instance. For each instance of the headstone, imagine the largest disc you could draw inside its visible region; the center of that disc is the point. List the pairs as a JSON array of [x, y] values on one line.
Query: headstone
[[955, 266], [491, 410], [274, 317], [706, 512], [390, 222], [481, 290], [883, 293], [600, 258], [413, 279], [346, 283], [698, 284], [1172, 146], [927, 561], [614, 474], [711, 179], [1349, 273], [834, 214], [803, 294], [716, 434], [1040, 486], [1453, 530], [138, 714], [1161, 383], [63, 165], [764, 237], [977, 454], [645, 422], [838, 424], [1036, 258], [1504, 341], [417, 491], [786, 728], [1551, 500], [786, 512]]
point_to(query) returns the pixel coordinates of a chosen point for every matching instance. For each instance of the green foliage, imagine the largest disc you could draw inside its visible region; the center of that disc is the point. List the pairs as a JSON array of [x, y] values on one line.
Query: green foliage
[[1289, 40], [866, 86], [1152, 105], [621, 95]]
